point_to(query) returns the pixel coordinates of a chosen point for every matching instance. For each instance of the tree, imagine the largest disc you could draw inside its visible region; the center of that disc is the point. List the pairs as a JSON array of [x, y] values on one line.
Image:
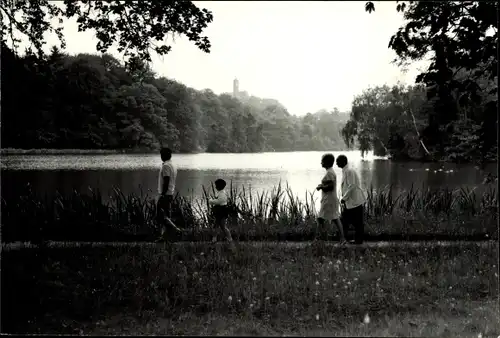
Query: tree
[[136, 27], [456, 36], [387, 120]]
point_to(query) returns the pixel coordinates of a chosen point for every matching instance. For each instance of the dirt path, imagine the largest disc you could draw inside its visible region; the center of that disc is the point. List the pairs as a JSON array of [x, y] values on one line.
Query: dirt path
[[382, 244]]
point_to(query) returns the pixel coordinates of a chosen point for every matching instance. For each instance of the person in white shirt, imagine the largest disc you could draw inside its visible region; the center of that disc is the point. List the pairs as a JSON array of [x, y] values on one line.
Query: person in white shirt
[[330, 206], [166, 188], [352, 199], [220, 209]]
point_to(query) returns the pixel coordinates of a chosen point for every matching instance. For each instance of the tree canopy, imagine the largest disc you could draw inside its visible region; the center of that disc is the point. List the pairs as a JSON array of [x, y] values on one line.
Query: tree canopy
[[459, 39], [136, 28]]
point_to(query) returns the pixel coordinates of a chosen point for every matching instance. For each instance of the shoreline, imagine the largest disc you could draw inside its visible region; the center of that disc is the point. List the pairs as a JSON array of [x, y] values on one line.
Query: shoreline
[[44, 151]]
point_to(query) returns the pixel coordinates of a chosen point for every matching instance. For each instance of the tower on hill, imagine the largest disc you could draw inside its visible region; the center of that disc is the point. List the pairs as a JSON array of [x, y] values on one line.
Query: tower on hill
[[236, 87]]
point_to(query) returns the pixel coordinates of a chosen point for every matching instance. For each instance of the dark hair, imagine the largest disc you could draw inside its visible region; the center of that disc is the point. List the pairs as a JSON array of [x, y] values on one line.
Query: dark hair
[[342, 159], [329, 159], [166, 154], [220, 183]]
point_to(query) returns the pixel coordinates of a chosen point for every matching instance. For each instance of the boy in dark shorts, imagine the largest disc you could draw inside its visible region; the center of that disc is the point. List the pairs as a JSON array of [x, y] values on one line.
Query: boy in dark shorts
[[220, 210], [166, 187]]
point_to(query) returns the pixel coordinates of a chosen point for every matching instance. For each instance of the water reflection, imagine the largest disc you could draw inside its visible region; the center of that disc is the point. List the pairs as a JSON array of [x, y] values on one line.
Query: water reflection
[[300, 170]]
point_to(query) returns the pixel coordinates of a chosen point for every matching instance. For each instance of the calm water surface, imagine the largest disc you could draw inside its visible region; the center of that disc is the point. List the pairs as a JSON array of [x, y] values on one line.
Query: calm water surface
[[301, 170]]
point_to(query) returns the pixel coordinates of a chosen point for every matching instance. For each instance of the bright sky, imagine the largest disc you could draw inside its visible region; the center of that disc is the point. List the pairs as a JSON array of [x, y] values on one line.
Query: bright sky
[[307, 55]]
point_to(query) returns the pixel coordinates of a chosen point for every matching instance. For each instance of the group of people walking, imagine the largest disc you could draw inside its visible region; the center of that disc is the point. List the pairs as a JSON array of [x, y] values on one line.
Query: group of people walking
[[344, 212]]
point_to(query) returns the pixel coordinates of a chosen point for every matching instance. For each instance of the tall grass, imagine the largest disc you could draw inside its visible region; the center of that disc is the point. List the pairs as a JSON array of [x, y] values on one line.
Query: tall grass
[[91, 216]]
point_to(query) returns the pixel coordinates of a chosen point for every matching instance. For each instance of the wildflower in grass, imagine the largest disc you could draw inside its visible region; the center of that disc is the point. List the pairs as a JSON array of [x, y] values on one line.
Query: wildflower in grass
[[480, 335], [255, 278], [267, 298], [366, 320], [317, 283], [317, 316]]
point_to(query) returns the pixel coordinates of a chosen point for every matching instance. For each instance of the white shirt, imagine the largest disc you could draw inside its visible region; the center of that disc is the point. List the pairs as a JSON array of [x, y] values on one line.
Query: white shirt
[[351, 190], [167, 169], [220, 198]]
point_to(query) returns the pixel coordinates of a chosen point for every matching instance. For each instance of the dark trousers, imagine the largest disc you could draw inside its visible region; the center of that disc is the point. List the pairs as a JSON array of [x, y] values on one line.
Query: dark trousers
[[355, 218], [220, 214], [164, 209]]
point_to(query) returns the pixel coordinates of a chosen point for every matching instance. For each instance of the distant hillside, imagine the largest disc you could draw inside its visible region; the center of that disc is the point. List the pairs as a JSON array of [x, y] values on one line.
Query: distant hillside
[[92, 102]]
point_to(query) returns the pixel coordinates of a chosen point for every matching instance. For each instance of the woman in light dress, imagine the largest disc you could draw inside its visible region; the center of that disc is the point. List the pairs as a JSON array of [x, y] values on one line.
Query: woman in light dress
[[330, 204]]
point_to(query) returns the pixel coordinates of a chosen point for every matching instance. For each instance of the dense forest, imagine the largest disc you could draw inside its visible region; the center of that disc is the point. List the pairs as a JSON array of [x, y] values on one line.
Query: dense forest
[[94, 102]]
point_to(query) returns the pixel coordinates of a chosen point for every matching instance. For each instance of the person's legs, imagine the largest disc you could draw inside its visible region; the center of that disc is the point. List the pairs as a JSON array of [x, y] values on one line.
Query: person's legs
[[164, 214], [225, 229], [216, 215], [340, 229], [161, 209], [320, 225], [346, 221], [359, 224]]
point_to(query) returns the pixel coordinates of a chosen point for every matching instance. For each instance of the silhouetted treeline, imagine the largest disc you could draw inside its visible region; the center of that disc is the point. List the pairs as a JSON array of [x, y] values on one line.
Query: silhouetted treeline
[[92, 102]]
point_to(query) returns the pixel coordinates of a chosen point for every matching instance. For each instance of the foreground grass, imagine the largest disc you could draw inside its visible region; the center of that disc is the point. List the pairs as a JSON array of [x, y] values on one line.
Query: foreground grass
[[276, 215], [273, 289]]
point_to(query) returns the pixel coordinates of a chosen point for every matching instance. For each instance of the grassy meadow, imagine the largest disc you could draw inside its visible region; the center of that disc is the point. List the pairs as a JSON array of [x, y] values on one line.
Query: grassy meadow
[[418, 213], [396, 289]]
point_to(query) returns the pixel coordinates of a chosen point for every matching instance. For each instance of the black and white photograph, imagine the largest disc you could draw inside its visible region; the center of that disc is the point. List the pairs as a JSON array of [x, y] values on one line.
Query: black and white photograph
[[249, 168]]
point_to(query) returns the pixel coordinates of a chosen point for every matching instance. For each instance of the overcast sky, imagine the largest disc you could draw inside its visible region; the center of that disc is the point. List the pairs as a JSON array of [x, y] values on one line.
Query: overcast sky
[[308, 55]]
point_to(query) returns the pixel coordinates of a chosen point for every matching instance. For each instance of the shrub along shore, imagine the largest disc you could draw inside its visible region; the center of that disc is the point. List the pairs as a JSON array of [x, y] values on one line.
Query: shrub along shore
[[415, 214]]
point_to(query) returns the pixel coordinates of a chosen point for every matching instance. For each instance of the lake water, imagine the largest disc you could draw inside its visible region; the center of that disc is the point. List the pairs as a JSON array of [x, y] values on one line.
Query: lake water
[[261, 171]]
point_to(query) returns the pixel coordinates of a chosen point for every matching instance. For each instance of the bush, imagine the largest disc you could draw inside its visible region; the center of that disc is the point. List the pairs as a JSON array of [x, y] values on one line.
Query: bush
[[277, 215]]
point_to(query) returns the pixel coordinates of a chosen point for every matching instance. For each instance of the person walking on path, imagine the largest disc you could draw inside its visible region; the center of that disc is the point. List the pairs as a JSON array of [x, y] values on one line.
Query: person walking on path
[[352, 200], [166, 188], [220, 210], [330, 206]]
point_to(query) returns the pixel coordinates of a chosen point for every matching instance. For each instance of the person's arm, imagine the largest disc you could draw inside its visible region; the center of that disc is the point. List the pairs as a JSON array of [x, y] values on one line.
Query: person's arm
[[220, 199], [166, 179], [326, 186], [349, 181]]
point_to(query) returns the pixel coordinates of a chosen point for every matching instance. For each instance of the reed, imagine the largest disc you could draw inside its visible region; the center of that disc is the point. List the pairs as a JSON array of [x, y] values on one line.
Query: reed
[[277, 213]]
